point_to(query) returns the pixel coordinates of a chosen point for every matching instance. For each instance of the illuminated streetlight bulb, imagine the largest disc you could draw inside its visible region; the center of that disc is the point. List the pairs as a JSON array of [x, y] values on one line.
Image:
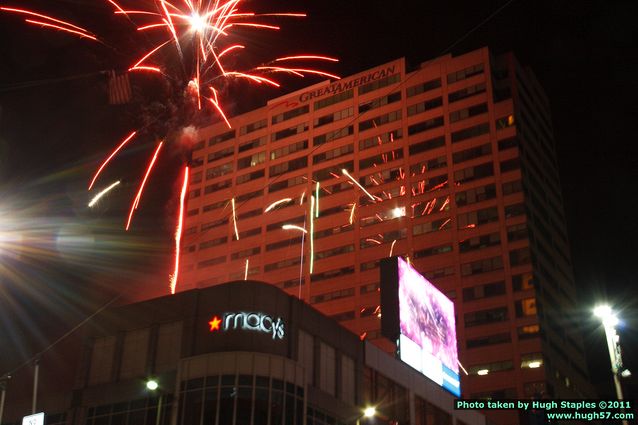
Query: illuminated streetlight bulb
[[603, 311], [483, 372], [152, 384], [369, 412], [534, 365]]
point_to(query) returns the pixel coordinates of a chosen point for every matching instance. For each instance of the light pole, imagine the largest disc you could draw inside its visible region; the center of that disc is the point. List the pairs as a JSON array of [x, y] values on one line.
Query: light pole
[[609, 321], [153, 385]]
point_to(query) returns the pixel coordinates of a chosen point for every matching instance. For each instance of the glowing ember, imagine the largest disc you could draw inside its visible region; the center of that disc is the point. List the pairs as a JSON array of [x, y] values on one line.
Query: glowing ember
[[102, 193], [178, 231]]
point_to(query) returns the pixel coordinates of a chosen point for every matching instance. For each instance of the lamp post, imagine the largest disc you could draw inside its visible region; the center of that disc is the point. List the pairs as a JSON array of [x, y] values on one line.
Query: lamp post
[[609, 321], [153, 385]]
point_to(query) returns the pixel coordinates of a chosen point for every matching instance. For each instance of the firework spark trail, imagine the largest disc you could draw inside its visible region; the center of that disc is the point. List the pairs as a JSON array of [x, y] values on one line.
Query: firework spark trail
[[178, 230], [246, 270], [276, 204], [312, 230], [347, 174], [130, 136], [317, 200], [293, 227], [102, 193], [139, 193], [49, 18], [392, 247], [232, 202], [354, 205]]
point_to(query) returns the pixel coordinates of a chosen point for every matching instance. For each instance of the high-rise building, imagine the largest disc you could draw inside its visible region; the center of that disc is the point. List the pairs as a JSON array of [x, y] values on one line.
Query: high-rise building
[[451, 164]]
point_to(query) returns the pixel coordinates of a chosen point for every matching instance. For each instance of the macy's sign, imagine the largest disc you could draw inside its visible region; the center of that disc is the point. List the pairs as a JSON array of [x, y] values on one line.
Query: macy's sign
[[258, 322]]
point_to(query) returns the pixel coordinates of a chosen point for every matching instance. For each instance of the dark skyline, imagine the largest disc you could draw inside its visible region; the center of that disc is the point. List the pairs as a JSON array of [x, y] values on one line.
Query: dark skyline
[[53, 134]]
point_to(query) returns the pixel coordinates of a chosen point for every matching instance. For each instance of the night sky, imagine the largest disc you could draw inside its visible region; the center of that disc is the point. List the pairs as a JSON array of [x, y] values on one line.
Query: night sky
[[56, 125]]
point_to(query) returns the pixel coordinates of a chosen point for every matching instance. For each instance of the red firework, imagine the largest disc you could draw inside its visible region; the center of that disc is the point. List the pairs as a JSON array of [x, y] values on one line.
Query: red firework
[[203, 29]]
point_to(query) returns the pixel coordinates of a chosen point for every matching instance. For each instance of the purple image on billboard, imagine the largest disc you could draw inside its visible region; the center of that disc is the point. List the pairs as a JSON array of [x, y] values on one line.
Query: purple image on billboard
[[427, 316]]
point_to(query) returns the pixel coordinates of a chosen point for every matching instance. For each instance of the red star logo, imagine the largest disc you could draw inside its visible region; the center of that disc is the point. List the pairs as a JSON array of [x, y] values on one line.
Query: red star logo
[[214, 323]]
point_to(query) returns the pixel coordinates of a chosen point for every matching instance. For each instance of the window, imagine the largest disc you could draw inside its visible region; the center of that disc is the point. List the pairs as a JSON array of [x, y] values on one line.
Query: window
[[335, 116], [213, 242], [465, 73], [508, 143], [245, 178], [510, 165], [342, 317], [282, 264], [213, 224], [287, 150], [254, 126], [428, 165], [216, 187], [245, 253], [490, 368], [484, 291], [429, 185], [284, 243], [219, 170], [330, 296], [290, 114], [436, 250], [287, 132], [425, 125], [380, 101], [293, 164], [226, 152], [473, 173], [484, 317], [520, 256], [427, 145], [378, 239], [469, 154], [380, 139], [431, 226], [484, 341], [522, 282], [332, 135], [480, 242], [250, 232], [199, 145], [375, 85], [466, 92], [331, 100], [517, 232], [196, 177], [465, 113], [284, 184], [332, 154], [251, 160], [197, 162], [252, 144], [423, 87], [476, 218], [512, 187], [477, 194], [530, 331], [482, 266], [439, 273], [470, 132], [525, 307], [417, 108], [380, 159], [334, 251], [211, 262], [248, 214], [504, 122], [332, 231], [333, 171], [221, 137], [344, 271], [514, 210], [277, 225], [249, 195], [380, 120]]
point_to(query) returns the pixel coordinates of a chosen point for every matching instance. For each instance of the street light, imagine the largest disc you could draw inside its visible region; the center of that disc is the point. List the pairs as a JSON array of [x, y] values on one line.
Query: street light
[[609, 320], [153, 385], [369, 411]]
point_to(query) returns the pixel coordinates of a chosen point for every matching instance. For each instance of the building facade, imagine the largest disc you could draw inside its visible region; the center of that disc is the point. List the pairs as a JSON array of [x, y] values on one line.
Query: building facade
[[242, 353], [451, 165]]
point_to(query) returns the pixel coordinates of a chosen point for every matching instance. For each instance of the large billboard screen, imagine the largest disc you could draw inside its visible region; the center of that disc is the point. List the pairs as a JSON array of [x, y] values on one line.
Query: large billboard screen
[[421, 318]]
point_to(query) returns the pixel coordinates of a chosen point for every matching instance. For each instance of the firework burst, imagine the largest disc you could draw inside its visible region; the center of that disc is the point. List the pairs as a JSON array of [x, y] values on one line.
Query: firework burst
[[191, 44]]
